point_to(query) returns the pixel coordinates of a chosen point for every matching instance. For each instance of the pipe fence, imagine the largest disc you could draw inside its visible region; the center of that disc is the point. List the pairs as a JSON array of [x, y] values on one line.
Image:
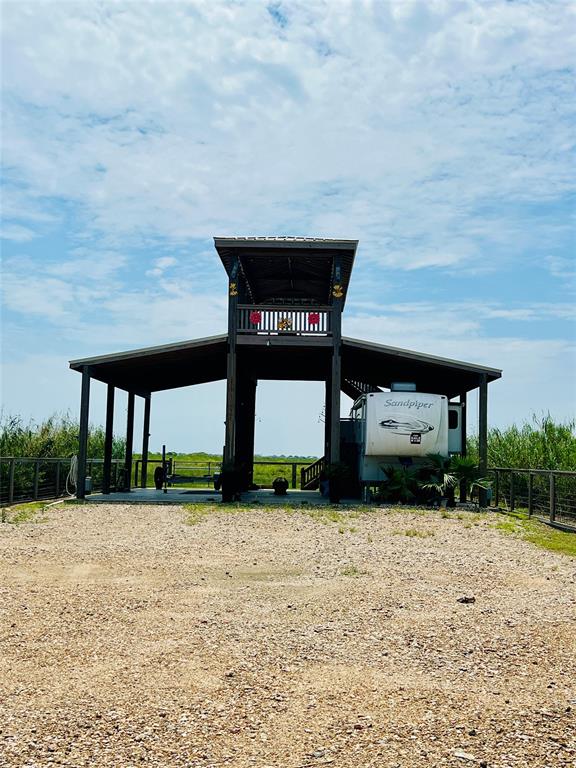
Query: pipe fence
[[31, 479], [546, 494], [549, 495], [201, 473]]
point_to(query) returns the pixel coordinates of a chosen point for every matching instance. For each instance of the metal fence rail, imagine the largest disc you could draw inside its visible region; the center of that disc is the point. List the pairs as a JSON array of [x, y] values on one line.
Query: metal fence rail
[[547, 494], [31, 479], [544, 493], [202, 472]]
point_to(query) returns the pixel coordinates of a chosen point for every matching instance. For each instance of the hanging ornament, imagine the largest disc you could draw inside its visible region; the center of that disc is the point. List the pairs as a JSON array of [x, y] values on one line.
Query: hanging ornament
[[337, 291], [313, 318], [255, 317], [233, 289], [284, 324]]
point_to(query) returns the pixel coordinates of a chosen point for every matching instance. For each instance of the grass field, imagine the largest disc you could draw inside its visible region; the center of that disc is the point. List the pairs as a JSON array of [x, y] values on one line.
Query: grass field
[[200, 464]]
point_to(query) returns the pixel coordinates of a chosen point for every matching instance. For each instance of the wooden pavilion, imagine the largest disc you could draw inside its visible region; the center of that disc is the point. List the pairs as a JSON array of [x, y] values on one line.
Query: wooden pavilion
[[285, 301]]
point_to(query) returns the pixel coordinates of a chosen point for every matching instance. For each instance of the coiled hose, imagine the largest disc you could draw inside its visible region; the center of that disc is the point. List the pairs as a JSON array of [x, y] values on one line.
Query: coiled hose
[[72, 477]]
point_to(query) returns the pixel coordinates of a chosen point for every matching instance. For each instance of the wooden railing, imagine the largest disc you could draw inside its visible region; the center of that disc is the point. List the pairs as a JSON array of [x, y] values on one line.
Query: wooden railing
[[310, 475], [356, 389], [305, 321]]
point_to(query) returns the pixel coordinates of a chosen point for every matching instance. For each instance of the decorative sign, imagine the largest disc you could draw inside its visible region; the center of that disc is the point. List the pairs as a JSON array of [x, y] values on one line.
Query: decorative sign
[[337, 291], [284, 324], [233, 289], [313, 318], [255, 317]]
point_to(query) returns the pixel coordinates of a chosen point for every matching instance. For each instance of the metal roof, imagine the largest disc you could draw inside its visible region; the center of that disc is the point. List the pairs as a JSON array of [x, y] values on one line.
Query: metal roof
[[277, 357], [328, 242], [284, 268]]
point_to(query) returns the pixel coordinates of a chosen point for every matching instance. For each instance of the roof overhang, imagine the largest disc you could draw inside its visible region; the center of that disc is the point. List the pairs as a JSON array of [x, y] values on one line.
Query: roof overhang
[[198, 361], [281, 268]]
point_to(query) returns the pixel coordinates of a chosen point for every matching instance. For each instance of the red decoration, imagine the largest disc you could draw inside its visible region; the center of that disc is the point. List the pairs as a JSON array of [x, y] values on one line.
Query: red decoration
[[255, 317], [313, 318]]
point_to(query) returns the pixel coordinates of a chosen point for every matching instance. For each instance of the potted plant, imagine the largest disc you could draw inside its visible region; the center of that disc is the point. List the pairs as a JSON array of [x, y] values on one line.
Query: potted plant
[[467, 472], [229, 482], [400, 487], [441, 480], [159, 477], [280, 485], [339, 478]]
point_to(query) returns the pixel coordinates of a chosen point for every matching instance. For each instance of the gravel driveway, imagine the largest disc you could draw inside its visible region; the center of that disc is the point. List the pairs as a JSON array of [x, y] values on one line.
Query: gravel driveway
[[130, 637]]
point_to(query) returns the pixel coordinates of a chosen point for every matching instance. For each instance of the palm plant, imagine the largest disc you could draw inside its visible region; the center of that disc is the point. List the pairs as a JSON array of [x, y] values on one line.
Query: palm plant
[[401, 485], [467, 471], [442, 479]]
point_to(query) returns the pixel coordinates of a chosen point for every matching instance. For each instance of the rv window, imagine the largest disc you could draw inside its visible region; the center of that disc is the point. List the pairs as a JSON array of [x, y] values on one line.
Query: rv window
[[452, 419]]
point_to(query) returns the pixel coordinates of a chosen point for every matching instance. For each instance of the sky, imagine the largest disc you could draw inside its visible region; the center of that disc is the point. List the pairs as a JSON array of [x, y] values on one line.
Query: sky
[[438, 133]]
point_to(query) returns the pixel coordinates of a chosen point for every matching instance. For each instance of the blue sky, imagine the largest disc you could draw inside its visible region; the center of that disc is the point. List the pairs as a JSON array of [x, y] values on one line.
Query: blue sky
[[439, 134]]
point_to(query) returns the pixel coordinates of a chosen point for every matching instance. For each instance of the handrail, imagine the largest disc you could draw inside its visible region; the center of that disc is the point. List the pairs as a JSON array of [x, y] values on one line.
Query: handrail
[[289, 307], [565, 472], [284, 319], [310, 474]]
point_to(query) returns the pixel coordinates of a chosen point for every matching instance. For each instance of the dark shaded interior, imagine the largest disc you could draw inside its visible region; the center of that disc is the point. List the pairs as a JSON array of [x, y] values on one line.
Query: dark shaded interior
[[204, 360], [300, 270]]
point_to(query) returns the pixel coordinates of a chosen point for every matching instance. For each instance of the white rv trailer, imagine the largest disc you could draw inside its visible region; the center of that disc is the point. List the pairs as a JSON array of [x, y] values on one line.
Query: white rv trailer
[[403, 426]]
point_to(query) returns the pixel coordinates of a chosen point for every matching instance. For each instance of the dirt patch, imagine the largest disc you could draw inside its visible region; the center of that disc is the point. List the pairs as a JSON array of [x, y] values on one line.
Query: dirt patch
[[270, 638]]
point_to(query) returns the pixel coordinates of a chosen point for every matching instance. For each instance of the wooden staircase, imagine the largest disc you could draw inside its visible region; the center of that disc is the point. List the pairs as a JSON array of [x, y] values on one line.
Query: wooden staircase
[[310, 475], [356, 389]]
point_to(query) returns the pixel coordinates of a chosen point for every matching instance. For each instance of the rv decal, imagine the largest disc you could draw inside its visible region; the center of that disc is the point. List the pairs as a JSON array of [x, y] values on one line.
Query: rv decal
[[407, 427], [408, 403]]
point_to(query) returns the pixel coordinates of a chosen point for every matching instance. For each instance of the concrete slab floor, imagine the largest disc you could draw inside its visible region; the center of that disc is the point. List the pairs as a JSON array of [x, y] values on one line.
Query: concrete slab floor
[[204, 495]]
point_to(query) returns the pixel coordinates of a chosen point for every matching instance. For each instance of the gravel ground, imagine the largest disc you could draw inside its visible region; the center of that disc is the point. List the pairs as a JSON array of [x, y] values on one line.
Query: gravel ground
[[271, 639]]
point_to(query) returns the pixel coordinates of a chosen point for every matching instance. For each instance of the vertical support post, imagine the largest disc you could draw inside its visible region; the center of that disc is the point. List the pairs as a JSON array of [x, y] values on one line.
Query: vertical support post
[[336, 373], [552, 497], [327, 417], [294, 467], [244, 437], [497, 488], [83, 436], [231, 367], [11, 481], [57, 480], [108, 439], [36, 473], [530, 494], [512, 492], [164, 469], [483, 434], [464, 450], [129, 440], [145, 440]]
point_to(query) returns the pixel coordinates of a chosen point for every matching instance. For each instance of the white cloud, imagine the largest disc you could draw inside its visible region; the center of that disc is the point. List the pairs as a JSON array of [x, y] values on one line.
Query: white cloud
[[394, 121], [17, 233], [161, 265], [90, 308], [432, 131]]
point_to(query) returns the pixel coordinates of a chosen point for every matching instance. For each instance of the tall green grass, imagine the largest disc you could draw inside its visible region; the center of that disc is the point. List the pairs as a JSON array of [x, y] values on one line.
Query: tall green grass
[[55, 437], [541, 444]]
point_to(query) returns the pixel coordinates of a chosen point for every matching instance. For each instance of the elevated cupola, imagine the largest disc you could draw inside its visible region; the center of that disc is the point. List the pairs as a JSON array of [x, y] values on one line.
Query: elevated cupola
[[286, 285]]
